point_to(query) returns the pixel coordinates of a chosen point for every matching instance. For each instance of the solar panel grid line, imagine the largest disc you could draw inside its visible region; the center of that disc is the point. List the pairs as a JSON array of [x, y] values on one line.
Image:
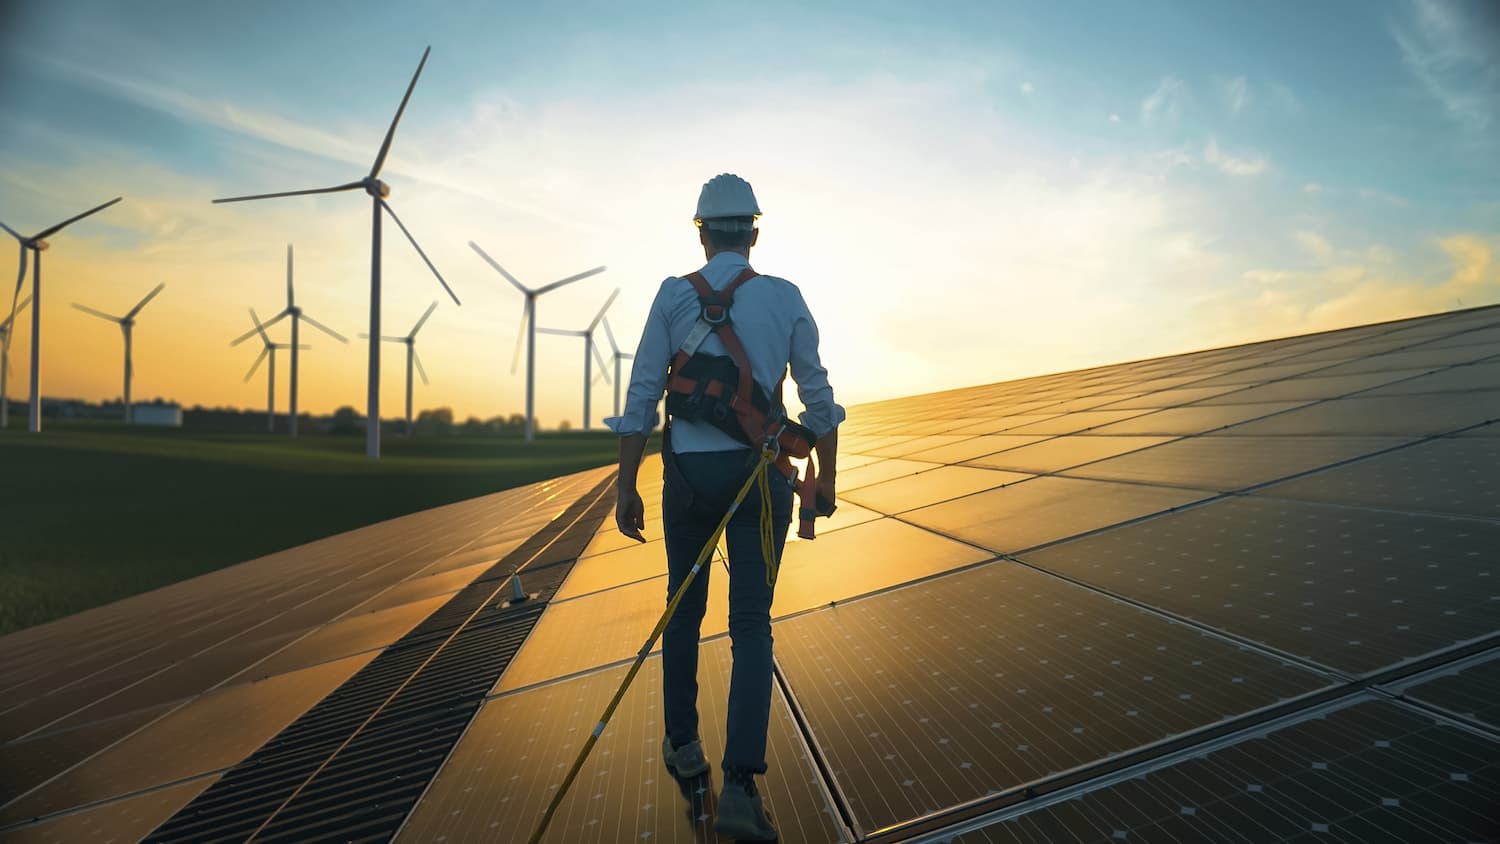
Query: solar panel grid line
[[384, 683], [110, 801], [482, 679], [832, 790], [1069, 785]]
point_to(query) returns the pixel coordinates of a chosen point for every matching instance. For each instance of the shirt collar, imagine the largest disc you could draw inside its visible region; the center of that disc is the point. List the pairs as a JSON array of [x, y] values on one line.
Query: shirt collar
[[726, 261]]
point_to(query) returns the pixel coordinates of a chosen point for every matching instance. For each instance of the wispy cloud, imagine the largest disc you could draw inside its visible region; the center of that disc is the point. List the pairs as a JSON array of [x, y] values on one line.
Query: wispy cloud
[[1164, 105], [1235, 165], [1314, 244], [1027, 88], [1453, 55], [1313, 189], [1236, 93]]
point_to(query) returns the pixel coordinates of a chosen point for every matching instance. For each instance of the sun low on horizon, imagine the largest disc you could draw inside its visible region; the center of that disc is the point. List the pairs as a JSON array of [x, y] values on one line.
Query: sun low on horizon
[[965, 193]]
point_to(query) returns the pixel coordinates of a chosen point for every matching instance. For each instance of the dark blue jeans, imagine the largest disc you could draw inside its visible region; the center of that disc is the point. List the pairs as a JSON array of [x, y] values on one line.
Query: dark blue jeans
[[695, 498]]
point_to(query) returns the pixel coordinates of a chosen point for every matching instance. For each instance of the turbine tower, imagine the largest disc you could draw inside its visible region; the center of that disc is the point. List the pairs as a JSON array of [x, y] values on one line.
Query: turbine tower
[[412, 358], [528, 323], [127, 326], [37, 243], [590, 353], [617, 356], [5, 328], [298, 317], [378, 191], [268, 352]]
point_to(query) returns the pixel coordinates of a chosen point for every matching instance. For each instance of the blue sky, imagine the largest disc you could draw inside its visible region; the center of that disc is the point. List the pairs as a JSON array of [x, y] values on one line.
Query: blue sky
[[1101, 181]]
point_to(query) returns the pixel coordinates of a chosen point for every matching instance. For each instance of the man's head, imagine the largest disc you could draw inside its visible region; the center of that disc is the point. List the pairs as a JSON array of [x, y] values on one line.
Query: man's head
[[726, 215]]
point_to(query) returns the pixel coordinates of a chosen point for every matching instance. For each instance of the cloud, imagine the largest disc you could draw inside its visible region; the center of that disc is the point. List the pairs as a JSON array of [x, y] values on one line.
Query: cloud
[[1314, 244], [1164, 105], [1236, 93], [1027, 88], [1452, 54], [1313, 189], [1234, 165], [1351, 294], [1114, 118]]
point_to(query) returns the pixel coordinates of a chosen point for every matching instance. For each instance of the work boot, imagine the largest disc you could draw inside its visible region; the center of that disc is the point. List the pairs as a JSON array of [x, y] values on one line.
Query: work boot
[[741, 816], [685, 761]]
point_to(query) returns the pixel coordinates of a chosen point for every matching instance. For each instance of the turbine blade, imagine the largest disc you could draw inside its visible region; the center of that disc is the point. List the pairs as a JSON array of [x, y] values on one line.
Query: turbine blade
[[264, 353], [20, 281], [417, 359], [290, 300], [71, 220], [599, 359], [607, 303], [561, 332], [141, 304], [391, 339], [515, 359], [325, 329], [390, 134], [334, 189], [569, 280], [13, 233], [402, 226], [418, 326], [613, 346], [492, 262], [99, 314]]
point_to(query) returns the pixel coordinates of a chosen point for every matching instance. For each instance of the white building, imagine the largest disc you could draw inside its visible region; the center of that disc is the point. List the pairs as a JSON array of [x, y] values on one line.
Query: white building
[[167, 415]]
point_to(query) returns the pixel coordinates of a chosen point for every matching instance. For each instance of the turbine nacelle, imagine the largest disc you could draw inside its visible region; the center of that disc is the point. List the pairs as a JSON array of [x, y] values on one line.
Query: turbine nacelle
[[376, 188], [38, 245]]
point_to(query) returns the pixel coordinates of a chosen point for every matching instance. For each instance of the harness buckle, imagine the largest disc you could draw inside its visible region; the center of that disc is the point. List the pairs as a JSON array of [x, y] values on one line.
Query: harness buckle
[[707, 305]]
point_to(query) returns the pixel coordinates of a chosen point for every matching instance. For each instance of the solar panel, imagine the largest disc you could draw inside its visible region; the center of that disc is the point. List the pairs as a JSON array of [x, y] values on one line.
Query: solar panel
[[1371, 771], [1451, 476], [1469, 689], [1045, 510], [1352, 589], [981, 681], [1231, 463], [1399, 415], [500, 778], [1060, 453]]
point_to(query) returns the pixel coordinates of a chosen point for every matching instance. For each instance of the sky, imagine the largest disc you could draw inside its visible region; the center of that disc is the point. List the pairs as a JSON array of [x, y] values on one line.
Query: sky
[[964, 192]]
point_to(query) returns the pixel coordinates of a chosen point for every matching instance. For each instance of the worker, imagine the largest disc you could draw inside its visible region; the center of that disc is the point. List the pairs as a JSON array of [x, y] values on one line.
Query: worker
[[707, 458]]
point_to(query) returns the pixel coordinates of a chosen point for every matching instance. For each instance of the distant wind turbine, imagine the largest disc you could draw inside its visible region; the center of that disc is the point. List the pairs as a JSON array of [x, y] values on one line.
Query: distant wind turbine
[[5, 329], [617, 356], [268, 352], [378, 191], [412, 358], [528, 328], [590, 353], [291, 310], [127, 326], [37, 244]]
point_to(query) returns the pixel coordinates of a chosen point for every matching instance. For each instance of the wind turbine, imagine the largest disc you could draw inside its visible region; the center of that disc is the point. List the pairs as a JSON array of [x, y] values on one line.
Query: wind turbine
[[5, 328], [268, 352], [378, 191], [291, 310], [412, 358], [528, 322], [590, 353], [127, 325], [617, 356], [37, 244]]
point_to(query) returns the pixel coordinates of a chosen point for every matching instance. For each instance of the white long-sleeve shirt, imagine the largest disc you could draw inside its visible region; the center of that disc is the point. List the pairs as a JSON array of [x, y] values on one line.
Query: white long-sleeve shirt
[[776, 329]]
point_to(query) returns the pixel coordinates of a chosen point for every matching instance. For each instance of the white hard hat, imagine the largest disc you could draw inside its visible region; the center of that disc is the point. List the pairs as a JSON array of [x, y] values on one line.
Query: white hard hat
[[726, 195]]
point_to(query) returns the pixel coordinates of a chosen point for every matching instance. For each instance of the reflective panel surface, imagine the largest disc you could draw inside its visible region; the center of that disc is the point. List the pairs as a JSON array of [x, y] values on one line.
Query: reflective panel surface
[[1045, 510], [1455, 476], [130, 819], [1472, 690], [984, 680], [1352, 589], [498, 781], [940, 484], [1231, 463], [1374, 771], [1060, 453], [1434, 413], [1194, 419]]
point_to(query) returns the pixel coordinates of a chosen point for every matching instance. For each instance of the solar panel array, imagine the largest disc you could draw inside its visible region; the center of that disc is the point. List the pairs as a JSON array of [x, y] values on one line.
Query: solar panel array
[[1242, 594]]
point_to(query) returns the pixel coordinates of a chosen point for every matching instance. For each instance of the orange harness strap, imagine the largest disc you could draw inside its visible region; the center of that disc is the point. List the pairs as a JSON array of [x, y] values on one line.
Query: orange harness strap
[[757, 426]]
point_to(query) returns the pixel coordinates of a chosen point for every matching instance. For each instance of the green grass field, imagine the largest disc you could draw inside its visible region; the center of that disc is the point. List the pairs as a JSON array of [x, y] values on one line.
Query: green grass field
[[91, 513]]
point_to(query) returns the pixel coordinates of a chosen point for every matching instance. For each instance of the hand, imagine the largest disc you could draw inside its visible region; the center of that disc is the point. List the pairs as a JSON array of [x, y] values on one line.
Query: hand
[[827, 494], [630, 514]]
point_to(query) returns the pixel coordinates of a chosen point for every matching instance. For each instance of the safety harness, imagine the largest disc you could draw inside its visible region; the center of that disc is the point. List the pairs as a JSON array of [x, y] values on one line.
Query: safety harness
[[722, 392]]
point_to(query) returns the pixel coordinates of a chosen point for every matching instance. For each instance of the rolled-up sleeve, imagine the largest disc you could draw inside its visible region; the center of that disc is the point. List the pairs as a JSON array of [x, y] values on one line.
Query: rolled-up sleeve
[[821, 415], [648, 375]]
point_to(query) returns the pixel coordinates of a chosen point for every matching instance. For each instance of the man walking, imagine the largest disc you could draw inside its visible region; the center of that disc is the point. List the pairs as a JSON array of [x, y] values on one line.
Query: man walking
[[706, 327]]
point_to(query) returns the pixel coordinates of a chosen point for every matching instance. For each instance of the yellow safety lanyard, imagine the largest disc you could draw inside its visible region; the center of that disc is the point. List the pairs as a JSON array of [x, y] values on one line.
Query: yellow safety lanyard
[[760, 476]]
